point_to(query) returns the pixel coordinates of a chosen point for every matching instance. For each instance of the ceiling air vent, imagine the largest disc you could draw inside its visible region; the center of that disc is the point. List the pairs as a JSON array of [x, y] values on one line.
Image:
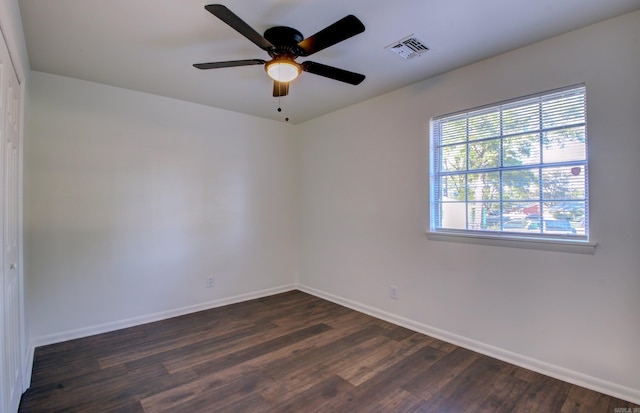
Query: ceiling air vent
[[408, 47]]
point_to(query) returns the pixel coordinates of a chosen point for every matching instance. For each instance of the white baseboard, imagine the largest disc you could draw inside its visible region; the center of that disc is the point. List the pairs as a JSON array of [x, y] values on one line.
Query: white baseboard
[[131, 322], [557, 372]]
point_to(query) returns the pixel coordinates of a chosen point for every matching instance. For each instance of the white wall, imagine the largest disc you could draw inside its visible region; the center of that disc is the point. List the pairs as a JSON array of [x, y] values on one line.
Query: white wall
[[133, 200], [364, 210]]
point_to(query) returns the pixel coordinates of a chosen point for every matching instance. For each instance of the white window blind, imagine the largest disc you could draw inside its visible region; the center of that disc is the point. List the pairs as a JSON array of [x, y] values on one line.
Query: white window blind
[[517, 168]]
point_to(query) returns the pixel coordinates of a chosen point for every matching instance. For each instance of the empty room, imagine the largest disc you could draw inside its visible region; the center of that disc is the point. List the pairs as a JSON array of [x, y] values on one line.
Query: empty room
[[320, 206]]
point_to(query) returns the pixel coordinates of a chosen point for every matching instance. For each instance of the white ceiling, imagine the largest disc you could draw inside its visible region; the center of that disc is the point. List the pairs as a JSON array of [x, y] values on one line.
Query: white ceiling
[[150, 45]]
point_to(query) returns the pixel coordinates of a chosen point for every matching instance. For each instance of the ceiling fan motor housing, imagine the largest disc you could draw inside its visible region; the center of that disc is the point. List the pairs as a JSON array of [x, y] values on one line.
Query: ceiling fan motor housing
[[285, 39]]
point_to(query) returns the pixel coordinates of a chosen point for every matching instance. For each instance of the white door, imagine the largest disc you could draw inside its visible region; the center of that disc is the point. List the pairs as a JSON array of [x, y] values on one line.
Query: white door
[[11, 294]]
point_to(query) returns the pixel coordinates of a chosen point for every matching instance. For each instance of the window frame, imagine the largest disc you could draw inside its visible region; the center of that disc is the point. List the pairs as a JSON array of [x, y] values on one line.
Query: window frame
[[551, 242]]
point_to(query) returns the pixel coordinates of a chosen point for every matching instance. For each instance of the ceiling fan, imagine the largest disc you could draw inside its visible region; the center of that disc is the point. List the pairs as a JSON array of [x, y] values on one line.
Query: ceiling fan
[[285, 44]]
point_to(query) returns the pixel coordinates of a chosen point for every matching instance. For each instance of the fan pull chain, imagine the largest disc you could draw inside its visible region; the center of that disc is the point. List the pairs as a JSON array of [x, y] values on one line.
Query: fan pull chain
[[286, 112]]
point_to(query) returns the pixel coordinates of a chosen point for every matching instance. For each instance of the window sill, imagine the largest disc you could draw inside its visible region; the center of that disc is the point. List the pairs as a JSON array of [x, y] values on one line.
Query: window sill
[[576, 247]]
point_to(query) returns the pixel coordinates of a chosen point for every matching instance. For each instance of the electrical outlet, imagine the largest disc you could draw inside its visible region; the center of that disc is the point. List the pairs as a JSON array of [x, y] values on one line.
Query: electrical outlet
[[211, 281], [393, 292]]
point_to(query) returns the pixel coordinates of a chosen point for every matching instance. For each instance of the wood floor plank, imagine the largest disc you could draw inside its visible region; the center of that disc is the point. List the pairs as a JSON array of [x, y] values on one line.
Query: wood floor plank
[[216, 371], [287, 352], [316, 396], [223, 395], [280, 390], [288, 382], [207, 336], [354, 335], [314, 313], [319, 357], [195, 354], [486, 385], [374, 362], [544, 394], [374, 390], [430, 382], [260, 348], [399, 401], [443, 346], [189, 357]]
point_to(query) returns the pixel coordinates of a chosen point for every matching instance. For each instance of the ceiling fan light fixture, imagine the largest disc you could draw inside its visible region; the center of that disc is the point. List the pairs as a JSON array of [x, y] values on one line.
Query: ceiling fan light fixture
[[283, 69]]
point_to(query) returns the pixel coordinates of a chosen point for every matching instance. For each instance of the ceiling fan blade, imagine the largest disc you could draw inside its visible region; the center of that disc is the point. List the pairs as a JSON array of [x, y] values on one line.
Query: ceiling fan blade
[[229, 63], [280, 88], [239, 25], [333, 73], [341, 30]]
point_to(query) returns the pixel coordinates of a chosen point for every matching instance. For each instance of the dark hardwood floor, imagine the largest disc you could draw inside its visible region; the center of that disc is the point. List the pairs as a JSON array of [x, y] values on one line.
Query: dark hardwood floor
[[291, 352]]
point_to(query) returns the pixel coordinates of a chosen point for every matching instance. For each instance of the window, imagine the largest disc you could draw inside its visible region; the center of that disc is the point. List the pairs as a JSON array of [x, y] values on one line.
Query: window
[[514, 169]]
